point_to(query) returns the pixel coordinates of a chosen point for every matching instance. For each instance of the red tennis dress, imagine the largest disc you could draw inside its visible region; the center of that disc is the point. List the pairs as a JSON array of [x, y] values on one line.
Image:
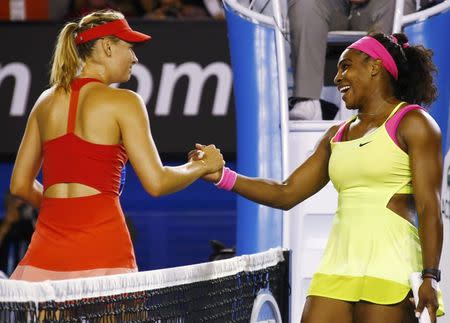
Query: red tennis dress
[[81, 236]]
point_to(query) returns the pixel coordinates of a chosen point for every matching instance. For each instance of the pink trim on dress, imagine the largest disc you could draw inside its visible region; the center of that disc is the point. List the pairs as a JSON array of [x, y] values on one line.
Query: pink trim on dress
[[394, 121], [340, 133]]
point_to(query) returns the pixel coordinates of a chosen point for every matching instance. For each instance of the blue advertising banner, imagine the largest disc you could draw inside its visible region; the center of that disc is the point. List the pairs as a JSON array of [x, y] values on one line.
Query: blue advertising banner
[[429, 33], [183, 76], [254, 64]]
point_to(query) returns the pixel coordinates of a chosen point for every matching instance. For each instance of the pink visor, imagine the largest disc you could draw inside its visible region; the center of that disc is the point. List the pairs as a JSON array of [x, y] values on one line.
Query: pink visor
[[376, 50], [118, 28]]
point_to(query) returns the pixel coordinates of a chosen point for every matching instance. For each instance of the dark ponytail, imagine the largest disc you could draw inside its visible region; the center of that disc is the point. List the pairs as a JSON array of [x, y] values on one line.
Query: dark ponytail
[[416, 69]]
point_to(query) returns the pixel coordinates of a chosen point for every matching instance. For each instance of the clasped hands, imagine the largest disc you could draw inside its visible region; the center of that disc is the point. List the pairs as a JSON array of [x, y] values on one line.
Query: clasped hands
[[212, 159]]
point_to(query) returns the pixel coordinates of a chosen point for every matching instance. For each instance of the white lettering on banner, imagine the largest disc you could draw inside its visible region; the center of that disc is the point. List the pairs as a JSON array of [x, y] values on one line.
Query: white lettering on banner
[[171, 74], [22, 79], [144, 81]]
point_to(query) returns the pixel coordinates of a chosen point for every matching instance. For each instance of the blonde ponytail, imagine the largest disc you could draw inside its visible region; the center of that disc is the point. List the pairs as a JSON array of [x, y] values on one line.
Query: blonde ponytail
[[68, 57], [66, 61]]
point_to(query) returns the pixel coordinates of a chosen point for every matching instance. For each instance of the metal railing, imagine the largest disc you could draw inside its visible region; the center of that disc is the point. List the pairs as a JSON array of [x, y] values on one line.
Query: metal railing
[[400, 19]]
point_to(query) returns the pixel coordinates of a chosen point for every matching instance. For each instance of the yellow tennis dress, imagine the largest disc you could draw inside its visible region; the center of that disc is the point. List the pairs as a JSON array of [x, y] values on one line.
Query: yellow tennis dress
[[371, 250]]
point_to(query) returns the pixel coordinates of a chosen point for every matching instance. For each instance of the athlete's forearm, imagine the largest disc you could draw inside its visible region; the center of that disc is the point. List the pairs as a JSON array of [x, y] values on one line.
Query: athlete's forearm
[[264, 191], [431, 234], [37, 192], [176, 178]]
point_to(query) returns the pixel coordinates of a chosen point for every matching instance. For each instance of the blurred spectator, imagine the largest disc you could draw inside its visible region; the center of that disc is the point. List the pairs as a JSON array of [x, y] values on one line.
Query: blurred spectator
[[425, 4], [72, 9], [162, 9], [153, 9], [24, 10], [166, 9], [58, 9], [79, 8], [16, 229], [134, 8], [76, 8], [194, 9], [215, 9]]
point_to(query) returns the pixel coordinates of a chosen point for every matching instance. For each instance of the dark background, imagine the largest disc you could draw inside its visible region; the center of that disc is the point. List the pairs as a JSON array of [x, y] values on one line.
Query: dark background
[[201, 42]]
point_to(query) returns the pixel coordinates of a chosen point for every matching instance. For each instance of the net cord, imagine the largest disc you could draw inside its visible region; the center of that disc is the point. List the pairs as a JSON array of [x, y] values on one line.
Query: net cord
[[75, 289]]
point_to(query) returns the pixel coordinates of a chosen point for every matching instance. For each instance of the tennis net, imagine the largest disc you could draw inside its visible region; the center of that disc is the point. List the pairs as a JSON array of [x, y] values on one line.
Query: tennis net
[[220, 291]]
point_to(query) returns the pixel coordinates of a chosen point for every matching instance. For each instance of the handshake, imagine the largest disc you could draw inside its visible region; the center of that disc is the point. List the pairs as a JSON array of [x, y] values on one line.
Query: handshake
[[212, 160]]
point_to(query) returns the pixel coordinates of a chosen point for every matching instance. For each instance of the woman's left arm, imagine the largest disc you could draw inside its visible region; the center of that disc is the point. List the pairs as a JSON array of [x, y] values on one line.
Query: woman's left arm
[[422, 138], [28, 163]]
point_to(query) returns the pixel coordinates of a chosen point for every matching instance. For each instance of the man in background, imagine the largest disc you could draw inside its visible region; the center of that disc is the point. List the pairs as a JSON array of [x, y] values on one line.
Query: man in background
[[310, 21]]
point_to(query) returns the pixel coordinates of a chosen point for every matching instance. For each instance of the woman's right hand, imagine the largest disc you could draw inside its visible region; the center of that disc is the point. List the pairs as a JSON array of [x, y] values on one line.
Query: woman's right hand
[[428, 298], [212, 158], [200, 154]]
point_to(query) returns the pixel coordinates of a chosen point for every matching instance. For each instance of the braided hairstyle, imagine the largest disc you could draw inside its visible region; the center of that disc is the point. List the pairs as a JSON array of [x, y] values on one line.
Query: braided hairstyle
[[416, 69]]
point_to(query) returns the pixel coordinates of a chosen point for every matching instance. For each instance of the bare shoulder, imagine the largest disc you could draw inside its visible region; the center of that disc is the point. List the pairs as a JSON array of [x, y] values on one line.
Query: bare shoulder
[[115, 101], [324, 144], [117, 97], [331, 132], [419, 124], [125, 104], [45, 99]]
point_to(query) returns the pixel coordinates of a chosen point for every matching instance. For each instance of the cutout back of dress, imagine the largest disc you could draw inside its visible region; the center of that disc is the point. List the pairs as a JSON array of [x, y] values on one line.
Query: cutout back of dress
[[71, 159]]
